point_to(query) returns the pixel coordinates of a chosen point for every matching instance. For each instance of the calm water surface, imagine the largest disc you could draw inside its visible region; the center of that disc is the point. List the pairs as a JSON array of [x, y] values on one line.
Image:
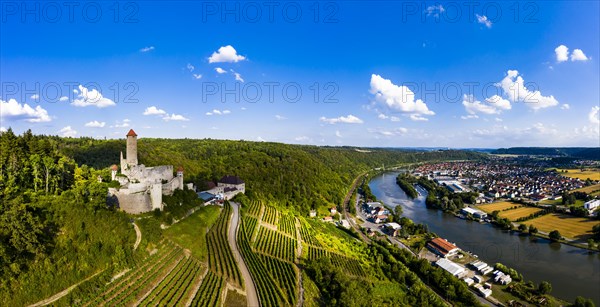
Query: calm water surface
[[571, 271]]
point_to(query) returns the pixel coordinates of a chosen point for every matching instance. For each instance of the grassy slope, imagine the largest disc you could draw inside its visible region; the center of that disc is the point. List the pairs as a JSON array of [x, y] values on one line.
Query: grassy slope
[[190, 233]]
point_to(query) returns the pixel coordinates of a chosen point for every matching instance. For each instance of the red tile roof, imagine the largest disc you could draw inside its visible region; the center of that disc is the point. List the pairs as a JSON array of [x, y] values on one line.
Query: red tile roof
[[131, 133], [442, 245], [114, 167]]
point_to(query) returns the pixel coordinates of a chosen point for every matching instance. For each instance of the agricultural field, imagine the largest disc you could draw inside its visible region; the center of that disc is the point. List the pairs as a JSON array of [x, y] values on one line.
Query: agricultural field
[[220, 256], [276, 244], [209, 293], [592, 189], [174, 286], [501, 205], [592, 174], [287, 224], [254, 208], [251, 225], [271, 215], [520, 212], [348, 265], [185, 233], [307, 234], [569, 227]]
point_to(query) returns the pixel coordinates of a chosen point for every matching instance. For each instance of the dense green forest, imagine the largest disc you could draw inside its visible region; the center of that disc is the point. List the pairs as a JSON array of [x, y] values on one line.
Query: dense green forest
[[56, 228]]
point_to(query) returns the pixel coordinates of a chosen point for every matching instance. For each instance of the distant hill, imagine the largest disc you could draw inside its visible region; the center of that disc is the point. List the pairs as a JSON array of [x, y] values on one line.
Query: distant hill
[[592, 153]]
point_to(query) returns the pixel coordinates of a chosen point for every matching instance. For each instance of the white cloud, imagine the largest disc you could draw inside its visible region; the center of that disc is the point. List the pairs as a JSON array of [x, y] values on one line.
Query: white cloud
[[93, 97], [279, 117], [63, 98], [499, 120], [389, 133], [260, 139], [395, 118], [382, 116], [174, 117], [594, 116], [350, 119], [418, 118], [35, 97], [484, 20], [562, 53], [95, 124], [514, 88], [67, 132], [565, 106], [220, 70], [493, 105], [434, 10], [226, 54], [2, 129], [238, 77], [218, 112], [11, 109], [470, 116], [121, 125], [147, 49], [338, 134], [302, 139], [154, 111], [397, 98], [197, 76], [578, 55], [190, 67]]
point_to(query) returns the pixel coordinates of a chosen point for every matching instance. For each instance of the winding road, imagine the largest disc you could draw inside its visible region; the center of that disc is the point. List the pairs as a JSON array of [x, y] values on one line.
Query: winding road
[[251, 295], [138, 236]]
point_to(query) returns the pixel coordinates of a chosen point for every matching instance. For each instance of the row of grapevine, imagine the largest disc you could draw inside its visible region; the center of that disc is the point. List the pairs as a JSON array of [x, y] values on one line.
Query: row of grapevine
[[287, 224], [251, 222], [285, 275], [276, 244], [268, 292], [152, 264], [184, 270], [254, 208], [209, 293], [220, 256], [138, 289], [271, 215], [306, 232], [349, 265]]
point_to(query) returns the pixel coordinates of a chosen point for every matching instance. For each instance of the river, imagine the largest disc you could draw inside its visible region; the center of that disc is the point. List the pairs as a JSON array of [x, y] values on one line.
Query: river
[[571, 271]]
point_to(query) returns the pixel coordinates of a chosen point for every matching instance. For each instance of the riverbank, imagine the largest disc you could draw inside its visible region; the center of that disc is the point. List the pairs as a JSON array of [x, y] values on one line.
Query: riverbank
[[572, 271]]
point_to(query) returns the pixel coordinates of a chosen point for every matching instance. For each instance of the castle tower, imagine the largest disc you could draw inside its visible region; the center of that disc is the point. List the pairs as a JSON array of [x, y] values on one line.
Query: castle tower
[[113, 172], [180, 177], [132, 159]]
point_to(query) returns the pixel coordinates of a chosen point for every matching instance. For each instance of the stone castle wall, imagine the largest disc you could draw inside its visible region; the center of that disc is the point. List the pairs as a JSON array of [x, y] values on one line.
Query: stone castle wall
[[134, 203]]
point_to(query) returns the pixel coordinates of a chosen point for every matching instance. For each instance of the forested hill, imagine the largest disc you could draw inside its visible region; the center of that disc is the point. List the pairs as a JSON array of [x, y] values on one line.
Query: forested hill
[[304, 176], [592, 153]]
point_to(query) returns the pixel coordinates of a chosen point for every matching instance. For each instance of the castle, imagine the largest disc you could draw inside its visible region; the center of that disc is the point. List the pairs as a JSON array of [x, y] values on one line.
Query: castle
[[141, 188]]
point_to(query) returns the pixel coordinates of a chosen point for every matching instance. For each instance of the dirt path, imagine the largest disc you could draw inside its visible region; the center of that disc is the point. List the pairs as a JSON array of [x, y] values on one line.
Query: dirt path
[[138, 235], [299, 251], [251, 295], [62, 293]]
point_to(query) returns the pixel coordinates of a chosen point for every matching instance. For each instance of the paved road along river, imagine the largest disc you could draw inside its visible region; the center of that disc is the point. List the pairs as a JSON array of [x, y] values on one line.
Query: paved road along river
[[571, 271]]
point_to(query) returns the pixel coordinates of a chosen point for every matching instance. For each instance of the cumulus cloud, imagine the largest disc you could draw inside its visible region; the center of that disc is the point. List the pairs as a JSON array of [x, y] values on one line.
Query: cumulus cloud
[[578, 55], [2, 129], [63, 98], [493, 105], [35, 97], [279, 117], [175, 117], [565, 106], [484, 20], [197, 76], [562, 53], [418, 118], [218, 112], [220, 70], [238, 77], [226, 54], [93, 97], [67, 132], [95, 124], [12, 110], [398, 98], [594, 117], [514, 88], [350, 119], [147, 49], [154, 111]]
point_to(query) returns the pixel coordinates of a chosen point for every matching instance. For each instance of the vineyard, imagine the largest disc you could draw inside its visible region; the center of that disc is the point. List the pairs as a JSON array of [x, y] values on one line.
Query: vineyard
[[220, 257], [251, 222], [210, 291], [276, 244], [287, 224], [306, 232], [271, 215], [349, 265], [254, 208]]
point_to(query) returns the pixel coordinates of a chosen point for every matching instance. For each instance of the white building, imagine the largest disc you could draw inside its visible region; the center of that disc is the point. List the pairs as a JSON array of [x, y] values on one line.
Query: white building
[[451, 267], [592, 205], [474, 212]]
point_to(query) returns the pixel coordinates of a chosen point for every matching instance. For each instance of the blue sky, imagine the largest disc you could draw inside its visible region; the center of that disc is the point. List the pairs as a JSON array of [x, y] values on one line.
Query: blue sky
[[378, 73]]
